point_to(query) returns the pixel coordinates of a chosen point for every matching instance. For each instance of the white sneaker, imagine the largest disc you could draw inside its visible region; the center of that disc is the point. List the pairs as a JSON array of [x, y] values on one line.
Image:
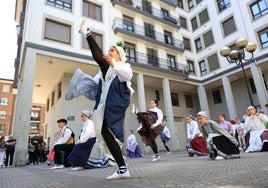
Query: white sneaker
[[77, 168], [156, 158], [84, 30], [117, 175], [219, 158], [168, 153], [57, 167], [153, 156]]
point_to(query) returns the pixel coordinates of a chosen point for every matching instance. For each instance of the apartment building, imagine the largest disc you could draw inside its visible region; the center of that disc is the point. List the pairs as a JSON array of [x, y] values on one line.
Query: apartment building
[[207, 27], [173, 47], [6, 107]]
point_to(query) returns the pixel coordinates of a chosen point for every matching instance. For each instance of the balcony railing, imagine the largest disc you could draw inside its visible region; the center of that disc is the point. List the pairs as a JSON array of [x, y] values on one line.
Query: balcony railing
[[171, 2], [124, 26], [151, 11], [160, 63]]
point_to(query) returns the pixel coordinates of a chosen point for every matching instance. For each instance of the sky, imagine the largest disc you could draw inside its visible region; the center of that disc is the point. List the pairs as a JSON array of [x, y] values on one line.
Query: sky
[[8, 39]]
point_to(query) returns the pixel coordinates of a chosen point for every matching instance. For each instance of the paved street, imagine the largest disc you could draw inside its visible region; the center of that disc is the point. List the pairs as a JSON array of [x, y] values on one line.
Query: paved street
[[176, 170]]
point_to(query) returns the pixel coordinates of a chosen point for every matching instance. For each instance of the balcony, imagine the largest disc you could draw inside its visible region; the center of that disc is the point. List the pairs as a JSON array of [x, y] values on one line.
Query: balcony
[[156, 63], [146, 34], [172, 3], [149, 11]]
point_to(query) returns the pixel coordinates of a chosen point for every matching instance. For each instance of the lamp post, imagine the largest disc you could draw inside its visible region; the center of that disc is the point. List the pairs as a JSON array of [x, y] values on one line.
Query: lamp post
[[236, 56]]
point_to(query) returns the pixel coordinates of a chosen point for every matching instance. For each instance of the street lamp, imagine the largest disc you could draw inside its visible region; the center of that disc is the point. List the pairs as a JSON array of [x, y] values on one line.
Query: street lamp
[[236, 56]]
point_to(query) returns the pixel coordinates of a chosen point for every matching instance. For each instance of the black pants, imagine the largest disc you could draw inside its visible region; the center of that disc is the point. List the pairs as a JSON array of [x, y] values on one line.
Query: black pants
[[165, 144], [153, 144], [112, 144], [62, 151], [9, 156], [107, 135]]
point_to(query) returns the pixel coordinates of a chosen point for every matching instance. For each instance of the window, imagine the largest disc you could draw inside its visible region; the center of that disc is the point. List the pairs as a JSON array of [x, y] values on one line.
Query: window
[[128, 23], [6, 88], [168, 37], [189, 101], [35, 115], [34, 128], [2, 127], [59, 90], [52, 98], [258, 9], [48, 104], [203, 68], [96, 36], [183, 22], [263, 36], [252, 86], [171, 62], [213, 62], [203, 16], [92, 10], [191, 66], [187, 44], [146, 5], [130, 52], [198, 1], [229, 26], [152, 57], [194, 23], [4, 101], [149, 30], [3, 114], [191, 4], [198, 45], [57, 32], [223, 4], [164, 12], [63, 4], [208, 38], [216, 96], [180, 3], [157, 96], [174, 99]]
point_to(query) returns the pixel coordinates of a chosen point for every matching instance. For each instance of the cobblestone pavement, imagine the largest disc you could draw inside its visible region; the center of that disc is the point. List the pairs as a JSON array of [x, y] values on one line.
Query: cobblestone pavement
[[176, 170]]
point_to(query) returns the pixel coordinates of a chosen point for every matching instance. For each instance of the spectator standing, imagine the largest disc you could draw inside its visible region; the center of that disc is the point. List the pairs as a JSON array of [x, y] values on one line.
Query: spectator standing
[[31, 152], [10, 144], [2, 151], [240, 130]]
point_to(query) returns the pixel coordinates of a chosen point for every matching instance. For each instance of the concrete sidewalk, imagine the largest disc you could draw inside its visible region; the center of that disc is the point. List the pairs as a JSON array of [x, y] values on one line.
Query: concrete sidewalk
[[176, 170]]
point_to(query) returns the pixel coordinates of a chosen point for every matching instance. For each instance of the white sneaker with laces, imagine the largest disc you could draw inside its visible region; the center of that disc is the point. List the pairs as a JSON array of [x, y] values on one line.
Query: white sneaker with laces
[[156, 158], [168, 153], [153, 156], [119, 175], [219, 158], [77, 168], [84, 30], [57, 167]]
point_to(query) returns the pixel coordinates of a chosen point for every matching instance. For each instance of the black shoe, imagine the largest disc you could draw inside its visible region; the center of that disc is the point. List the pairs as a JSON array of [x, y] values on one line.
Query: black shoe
[[265, 146], [212, 156]]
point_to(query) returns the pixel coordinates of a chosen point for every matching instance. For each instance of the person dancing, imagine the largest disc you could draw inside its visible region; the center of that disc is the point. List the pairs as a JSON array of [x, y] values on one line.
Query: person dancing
[[112, 98]]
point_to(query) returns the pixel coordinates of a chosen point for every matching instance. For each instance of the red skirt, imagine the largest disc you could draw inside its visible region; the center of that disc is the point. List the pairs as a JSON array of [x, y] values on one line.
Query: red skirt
[[199, 144]]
